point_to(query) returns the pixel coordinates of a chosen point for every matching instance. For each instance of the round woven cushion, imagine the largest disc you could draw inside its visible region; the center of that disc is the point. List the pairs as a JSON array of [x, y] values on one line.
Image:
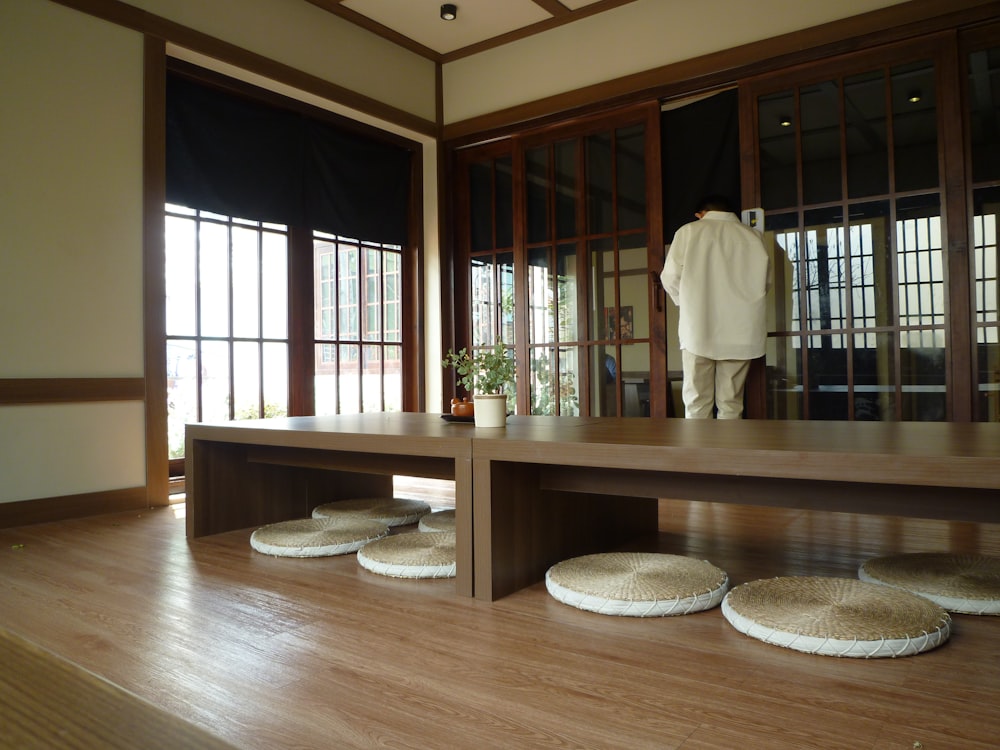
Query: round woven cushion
[[637, 584], [430, 555], [316, 537], [441, 520], [836, 617], [960, 583], [392, 511]]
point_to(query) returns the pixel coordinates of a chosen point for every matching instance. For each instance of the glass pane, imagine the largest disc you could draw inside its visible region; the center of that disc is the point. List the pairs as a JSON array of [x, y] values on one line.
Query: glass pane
[[875, 376], [349, 380], [633, 293], [392, 304], [914, 126], [182, 391], [827, 377], [392, 378], [825, 271], [214, 381], [867, 145], [986, 260], [604, 381], [541, 296], [920, 269], [784, 378], [630, 157], [481, 205], [246, 380], [536, 164], [181, 279], [984, 105], [325, 385], [274, 282], [820, 106], [567, 189], [275, 380], [325, 293], [348, 282], [600, 213], [214, 279], [923, 377], [635, 379], [778, 182], [505, 269], [566, 293], [604, 310], [246, 283], [554, 381], [373, 295], [504, 202], [371, 383], [784, 302], [871, 266]]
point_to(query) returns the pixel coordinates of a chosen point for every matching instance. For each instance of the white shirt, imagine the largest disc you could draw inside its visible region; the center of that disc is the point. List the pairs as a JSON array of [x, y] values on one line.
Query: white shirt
[[718, 272]]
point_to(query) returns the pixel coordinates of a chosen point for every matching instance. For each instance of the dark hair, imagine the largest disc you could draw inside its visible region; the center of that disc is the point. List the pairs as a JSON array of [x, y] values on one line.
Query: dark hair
[[716, 203]]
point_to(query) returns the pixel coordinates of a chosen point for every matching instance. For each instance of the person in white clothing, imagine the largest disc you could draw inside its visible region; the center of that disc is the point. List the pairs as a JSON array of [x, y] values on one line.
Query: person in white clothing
[[717, 272]]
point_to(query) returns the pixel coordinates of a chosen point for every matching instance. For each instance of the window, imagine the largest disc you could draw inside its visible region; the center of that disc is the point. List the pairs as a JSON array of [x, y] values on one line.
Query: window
[[227, 320]]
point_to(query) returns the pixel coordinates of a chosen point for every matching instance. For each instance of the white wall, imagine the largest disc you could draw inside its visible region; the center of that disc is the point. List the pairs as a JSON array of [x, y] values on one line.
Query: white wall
[[71, 245], [315, 41], [635, 37]]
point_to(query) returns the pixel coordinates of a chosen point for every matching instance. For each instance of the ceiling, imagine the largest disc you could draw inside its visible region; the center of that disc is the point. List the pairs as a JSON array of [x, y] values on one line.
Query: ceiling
[[480, 24]]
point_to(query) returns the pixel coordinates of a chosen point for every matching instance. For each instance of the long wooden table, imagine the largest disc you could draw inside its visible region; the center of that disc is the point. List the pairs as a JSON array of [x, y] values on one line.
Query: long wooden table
[[250, 473], [547, 488]]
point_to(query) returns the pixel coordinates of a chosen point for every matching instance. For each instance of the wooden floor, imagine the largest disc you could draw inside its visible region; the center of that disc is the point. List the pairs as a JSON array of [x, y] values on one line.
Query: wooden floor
[[282, 653]]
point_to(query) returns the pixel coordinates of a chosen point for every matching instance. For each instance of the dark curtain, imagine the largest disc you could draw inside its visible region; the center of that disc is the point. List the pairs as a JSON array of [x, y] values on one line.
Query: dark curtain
[[701, 156], [234, 156]]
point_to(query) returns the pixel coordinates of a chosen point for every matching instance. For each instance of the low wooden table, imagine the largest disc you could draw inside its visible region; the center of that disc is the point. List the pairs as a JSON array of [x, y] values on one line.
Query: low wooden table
[[546, 489], [249, 473]]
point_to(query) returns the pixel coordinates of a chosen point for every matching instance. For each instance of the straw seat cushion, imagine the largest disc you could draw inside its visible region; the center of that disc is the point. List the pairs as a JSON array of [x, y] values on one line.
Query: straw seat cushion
[[316, 537], [428, 555], [392, 511], [441, 520], [969, 584], [637, 584], [836, 617]]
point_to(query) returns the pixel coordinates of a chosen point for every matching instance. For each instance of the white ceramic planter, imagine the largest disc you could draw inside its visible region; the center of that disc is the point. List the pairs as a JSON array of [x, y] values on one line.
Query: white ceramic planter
[[491, 410]]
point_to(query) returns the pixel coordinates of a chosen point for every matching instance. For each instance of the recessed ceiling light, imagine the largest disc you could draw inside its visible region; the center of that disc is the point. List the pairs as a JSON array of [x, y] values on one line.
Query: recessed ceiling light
[[449, 11], [785, 122], [914, 97]]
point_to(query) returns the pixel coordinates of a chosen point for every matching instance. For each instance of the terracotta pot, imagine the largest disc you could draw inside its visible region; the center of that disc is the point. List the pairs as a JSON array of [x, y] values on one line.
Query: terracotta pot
[[462, 408]]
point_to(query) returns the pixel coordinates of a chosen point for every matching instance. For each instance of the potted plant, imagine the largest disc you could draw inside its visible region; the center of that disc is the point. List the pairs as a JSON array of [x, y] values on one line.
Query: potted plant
[[487, 374]]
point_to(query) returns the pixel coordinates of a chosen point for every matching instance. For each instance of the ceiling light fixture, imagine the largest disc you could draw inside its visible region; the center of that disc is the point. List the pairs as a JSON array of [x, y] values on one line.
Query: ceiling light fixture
[[914, 97], [785, 122], [449, 11]]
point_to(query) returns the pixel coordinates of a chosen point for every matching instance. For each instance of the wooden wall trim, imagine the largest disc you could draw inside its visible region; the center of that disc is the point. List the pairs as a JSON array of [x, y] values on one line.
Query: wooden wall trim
[[14, 391], [43, 510], [149, 24], [887, 25]]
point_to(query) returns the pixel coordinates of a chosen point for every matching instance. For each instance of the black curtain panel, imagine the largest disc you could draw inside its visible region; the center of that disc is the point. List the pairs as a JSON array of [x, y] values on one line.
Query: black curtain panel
[[235, 156], [701, 156]]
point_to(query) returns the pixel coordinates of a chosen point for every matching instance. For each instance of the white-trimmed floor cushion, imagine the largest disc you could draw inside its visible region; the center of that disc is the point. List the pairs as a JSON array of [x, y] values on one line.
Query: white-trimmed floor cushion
[[316, 537], [836, 617], [969, 584], [637, 584], [392, 511], [439, 520], [427, 555]]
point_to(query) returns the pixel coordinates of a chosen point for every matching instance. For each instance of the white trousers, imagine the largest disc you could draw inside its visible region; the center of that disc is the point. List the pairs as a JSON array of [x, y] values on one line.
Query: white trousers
[[712, 383]]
